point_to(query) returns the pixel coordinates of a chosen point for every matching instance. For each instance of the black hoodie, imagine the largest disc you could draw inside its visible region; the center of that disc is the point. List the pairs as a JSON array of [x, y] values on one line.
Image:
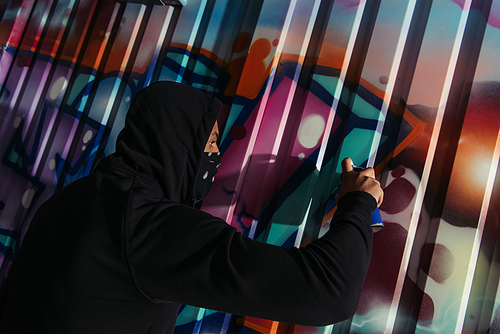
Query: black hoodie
[[120, 250]]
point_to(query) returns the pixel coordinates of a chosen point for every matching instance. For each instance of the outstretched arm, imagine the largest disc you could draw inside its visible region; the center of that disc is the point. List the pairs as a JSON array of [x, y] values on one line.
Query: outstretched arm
[[187, 256]]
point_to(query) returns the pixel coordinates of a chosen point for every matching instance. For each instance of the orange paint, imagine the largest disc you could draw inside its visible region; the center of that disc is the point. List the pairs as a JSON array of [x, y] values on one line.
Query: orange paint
[[255, 73]]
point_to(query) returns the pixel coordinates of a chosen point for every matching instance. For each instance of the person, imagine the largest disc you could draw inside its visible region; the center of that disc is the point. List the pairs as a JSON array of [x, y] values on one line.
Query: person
[[120, 250]]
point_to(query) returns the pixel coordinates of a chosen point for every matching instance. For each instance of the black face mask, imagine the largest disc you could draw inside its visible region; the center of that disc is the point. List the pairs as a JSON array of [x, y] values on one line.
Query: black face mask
[[208, 168]]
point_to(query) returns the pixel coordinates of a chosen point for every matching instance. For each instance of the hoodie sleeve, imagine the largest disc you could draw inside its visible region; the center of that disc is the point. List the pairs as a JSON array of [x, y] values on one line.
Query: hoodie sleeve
[[183, 255]]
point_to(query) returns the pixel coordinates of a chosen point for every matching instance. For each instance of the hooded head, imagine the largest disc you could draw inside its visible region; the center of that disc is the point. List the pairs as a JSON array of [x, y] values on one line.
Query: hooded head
[[166, 130]]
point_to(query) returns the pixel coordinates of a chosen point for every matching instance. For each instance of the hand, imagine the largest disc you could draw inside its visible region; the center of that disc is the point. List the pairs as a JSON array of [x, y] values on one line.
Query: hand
[[359, 181]]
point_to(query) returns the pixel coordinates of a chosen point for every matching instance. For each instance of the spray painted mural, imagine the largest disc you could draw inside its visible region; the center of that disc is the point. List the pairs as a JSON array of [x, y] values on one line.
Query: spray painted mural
[[410, 87]]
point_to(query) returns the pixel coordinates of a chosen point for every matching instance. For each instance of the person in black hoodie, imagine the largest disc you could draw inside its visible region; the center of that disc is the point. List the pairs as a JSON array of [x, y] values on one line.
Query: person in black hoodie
[[118, 251]]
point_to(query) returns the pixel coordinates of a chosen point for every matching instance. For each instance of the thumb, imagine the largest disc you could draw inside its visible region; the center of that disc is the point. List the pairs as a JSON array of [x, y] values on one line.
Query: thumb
[[347, 165]]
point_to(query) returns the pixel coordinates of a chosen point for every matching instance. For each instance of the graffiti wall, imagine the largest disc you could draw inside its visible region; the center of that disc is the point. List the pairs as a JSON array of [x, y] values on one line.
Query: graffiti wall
[[409, 87]]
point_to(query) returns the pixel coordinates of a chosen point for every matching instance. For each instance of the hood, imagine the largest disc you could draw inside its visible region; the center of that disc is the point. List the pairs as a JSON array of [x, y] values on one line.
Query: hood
[[166, 130]]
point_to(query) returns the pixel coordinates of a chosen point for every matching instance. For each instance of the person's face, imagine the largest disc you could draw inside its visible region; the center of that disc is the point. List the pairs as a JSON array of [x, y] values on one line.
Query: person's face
[[211, 146]]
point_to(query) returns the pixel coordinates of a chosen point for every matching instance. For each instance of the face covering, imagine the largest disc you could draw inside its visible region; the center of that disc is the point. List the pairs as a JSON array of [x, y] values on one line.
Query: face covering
[[205, 178]]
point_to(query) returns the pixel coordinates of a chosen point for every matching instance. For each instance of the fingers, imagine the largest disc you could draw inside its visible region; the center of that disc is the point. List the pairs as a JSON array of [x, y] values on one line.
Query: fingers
[[370, 172], [377, 191], [380, 199], [372, 186]]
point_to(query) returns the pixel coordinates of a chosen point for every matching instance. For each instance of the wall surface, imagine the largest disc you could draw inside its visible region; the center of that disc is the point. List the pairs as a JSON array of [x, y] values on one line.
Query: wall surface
[[410, 87]]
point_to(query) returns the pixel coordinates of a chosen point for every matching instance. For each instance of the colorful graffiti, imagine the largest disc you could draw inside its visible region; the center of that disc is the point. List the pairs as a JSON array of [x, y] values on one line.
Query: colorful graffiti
[[409, 87]]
